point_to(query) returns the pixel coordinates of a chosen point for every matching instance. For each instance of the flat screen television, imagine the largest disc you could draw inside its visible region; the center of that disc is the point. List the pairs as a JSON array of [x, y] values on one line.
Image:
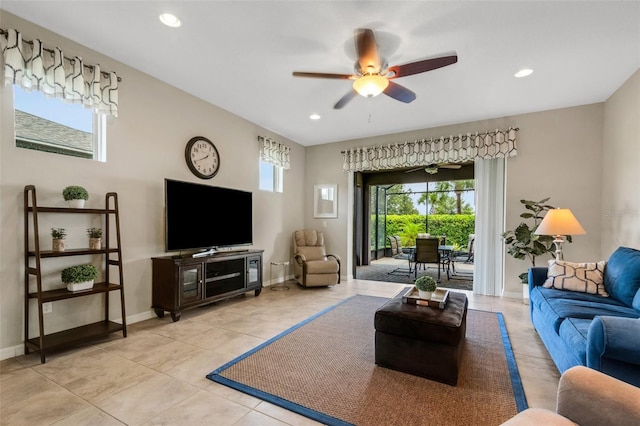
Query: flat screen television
[[200, 216]]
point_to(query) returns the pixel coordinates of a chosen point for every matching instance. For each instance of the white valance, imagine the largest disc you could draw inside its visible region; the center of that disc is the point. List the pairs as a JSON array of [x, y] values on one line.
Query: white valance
[[275, 153], [32, 66], [452, 149]]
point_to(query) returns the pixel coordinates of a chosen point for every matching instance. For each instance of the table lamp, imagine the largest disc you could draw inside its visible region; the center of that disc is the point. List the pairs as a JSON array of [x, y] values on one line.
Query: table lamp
[[558, 223]]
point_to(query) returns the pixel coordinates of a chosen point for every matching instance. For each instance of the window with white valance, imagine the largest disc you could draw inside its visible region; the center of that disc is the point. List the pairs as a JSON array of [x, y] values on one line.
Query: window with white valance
[[274, 152], [32, 66], [452, 149]]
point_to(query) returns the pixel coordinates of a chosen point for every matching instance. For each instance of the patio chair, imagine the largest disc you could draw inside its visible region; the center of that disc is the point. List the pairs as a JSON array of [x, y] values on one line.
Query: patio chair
[[464, 256], [397, 252], [427, 251]]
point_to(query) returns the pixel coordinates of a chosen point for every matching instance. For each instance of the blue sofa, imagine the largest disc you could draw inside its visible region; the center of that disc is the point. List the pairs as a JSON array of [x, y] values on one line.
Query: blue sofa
[[599, 332]]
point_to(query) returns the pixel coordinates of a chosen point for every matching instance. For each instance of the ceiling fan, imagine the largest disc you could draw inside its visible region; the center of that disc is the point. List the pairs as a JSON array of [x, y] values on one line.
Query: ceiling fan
[[373, 75], [433, 168]]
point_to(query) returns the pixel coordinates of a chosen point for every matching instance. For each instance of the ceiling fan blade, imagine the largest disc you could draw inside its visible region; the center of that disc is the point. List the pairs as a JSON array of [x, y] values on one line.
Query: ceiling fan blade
[[450, 166], [414, 170], [345, 99], [399, 93], [367, 50], [422, 66], [324, 75]]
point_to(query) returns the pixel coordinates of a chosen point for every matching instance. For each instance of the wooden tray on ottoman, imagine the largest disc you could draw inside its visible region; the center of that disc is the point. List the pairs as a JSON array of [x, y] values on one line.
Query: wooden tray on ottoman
[[438, 298]]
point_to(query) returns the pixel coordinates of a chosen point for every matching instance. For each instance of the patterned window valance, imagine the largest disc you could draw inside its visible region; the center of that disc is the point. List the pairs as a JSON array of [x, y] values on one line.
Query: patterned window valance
[[32, 66], [452, 149], [275, 153]]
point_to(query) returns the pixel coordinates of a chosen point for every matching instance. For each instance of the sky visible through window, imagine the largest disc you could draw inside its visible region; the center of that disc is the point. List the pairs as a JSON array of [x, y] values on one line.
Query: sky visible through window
[[71, 115], [418, 188]]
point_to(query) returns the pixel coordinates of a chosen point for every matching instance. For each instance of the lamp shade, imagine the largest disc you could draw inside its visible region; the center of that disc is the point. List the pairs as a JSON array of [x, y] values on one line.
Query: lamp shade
[[370, 85], [560, 222]]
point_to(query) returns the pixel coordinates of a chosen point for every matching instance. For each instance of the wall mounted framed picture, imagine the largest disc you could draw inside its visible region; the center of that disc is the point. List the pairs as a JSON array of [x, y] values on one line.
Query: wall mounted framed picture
[[325, 201]]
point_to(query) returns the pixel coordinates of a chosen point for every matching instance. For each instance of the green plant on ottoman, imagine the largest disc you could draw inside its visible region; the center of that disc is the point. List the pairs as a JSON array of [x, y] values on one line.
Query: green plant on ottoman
[[75, 196], [79, 277], [426, 285]]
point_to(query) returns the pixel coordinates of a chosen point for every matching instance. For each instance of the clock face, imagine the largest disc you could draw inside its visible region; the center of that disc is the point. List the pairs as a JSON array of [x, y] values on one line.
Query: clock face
[[202, 157]]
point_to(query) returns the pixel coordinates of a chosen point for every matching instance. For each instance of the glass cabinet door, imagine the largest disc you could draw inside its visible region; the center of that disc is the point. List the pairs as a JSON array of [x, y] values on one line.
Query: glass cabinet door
[[254, 269], [190, 284]]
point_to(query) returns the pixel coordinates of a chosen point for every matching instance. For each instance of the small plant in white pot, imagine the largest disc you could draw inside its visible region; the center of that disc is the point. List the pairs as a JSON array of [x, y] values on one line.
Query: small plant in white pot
[[426, 285], [79, 277], [75, 196], [95, 238], [57, 239]]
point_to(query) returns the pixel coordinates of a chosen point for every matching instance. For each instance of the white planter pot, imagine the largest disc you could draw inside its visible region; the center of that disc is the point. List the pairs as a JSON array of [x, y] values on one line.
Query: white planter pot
[[75, 204], [425, 294], [525, 293], [86, 285]]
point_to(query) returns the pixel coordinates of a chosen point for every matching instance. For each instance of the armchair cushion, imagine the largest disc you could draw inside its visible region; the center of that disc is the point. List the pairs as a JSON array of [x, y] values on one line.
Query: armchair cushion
[[312, 253]]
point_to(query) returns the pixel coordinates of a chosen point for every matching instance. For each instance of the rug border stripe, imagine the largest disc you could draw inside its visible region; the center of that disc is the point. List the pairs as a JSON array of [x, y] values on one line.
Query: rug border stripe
[[516, 381]]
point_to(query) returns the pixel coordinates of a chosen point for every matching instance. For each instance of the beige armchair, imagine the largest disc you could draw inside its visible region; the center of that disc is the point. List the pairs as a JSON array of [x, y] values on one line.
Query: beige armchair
[[589, 398], [312, 266]]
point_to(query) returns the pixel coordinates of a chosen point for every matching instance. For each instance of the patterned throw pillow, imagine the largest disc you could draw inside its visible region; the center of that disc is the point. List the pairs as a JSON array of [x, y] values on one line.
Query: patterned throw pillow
[[581, 277]]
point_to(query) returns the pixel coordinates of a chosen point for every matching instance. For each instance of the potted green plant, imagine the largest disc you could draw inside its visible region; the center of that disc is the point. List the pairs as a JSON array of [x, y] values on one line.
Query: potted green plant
[[426, 285], [75, 196], [95, 238], [522, 242], [57, 239], [79, 277]]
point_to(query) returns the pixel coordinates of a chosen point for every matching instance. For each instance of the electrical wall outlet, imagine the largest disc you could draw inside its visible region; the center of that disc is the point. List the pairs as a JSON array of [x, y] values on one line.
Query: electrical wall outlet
[[47, 308]]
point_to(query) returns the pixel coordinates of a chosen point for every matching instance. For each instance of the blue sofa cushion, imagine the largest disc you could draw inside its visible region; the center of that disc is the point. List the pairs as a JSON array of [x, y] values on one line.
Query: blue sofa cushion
[[622, 276], [573, 332], [556, 305]]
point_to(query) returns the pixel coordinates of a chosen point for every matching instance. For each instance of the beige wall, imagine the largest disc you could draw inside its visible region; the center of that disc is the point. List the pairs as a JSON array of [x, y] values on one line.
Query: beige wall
[[620, 211], [145, 145], [558, 157]]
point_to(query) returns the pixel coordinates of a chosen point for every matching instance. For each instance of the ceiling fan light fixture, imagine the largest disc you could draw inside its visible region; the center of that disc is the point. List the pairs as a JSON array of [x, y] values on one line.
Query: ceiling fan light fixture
[[431, 170], [523, 73], [370, 85], [170, 20]]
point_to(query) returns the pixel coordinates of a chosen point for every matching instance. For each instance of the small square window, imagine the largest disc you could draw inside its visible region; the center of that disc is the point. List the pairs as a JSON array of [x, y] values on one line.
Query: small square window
[[271, 177], [51, 125]]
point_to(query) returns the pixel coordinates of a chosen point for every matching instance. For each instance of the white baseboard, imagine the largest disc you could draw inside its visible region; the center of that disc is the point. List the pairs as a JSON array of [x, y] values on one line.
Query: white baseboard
[[6, 353], [18, 350]]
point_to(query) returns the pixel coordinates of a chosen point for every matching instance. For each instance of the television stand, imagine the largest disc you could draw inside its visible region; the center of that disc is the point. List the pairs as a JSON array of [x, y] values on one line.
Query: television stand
[[188, 282]]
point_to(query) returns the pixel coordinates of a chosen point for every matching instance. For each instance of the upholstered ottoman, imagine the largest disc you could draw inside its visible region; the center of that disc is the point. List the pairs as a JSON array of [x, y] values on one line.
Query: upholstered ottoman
[[420, 340]]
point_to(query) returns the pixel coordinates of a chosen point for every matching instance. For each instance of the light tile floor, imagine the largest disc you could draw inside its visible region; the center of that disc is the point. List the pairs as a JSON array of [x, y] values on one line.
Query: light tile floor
[[156, 376]]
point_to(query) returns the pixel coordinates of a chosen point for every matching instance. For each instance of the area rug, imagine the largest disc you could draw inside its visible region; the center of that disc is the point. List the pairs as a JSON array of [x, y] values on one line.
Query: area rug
[[324, 368], [382, 272]]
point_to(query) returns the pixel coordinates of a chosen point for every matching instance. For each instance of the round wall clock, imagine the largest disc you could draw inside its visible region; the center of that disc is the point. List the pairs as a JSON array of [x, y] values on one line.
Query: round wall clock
[[202, 157]]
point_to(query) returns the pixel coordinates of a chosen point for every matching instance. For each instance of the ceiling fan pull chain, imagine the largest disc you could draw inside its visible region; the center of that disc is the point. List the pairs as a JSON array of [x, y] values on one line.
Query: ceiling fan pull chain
[[370, 107]]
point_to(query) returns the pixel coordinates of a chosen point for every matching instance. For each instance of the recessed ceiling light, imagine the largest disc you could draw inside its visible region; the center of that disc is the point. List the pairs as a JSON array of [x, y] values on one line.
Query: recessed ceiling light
[[170, 20], [314, 117], [523, 73]]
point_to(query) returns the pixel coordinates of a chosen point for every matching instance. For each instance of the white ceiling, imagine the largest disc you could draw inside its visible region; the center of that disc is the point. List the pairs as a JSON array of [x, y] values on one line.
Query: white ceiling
[[240, 55]]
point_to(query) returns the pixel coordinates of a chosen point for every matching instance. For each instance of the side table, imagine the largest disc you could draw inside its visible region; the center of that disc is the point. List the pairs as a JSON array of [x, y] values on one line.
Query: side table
[[281, 286]]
